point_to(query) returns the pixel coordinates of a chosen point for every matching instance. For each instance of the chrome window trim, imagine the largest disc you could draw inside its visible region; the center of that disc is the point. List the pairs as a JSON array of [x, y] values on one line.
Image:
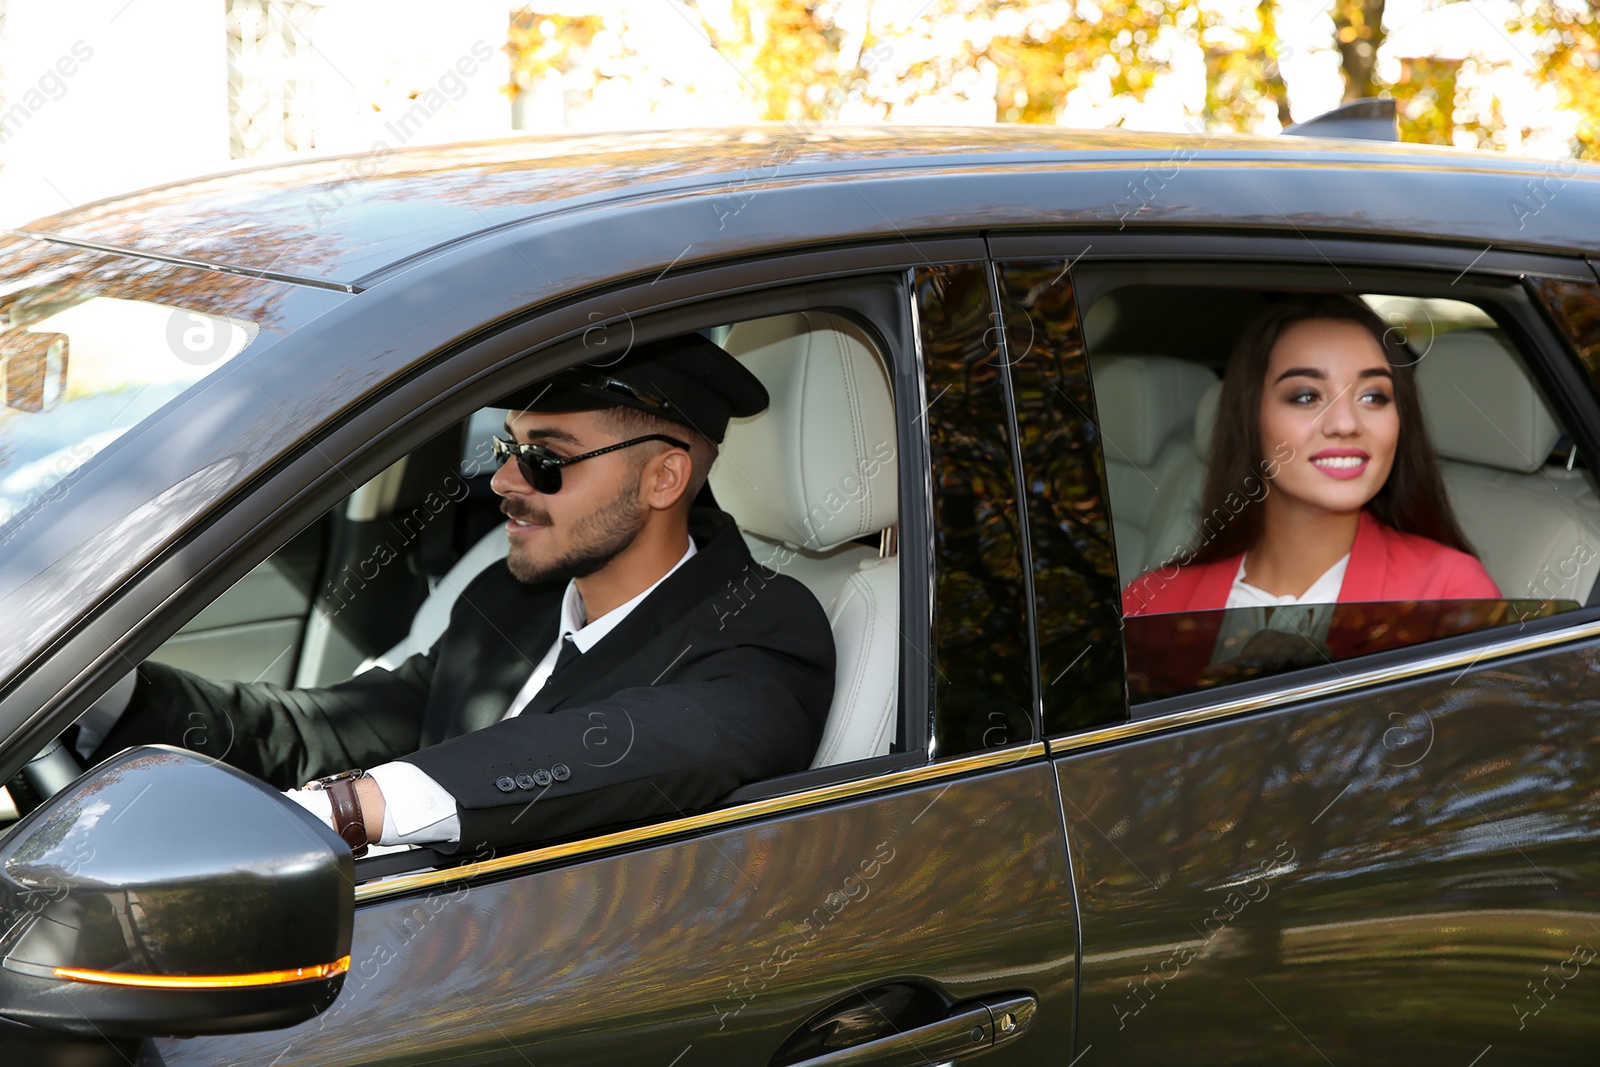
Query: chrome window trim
[[801, 800], [1464, 659]]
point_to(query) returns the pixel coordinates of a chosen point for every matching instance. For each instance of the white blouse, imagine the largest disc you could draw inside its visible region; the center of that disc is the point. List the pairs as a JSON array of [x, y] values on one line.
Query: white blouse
[[1307, 615], [1325, 590]]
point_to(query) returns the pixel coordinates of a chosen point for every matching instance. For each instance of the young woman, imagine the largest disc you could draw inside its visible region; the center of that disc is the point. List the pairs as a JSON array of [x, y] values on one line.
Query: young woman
[[1319, 409]]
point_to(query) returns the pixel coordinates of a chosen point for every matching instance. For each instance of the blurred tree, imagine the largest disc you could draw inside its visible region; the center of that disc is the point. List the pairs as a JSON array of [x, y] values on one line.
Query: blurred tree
[[1243, 82], [804, 60], [1568, 57], [543, 44], [1358, 34], [1041, 53], [808, 61], [792, 54], [1425, 99], [1447, 100]]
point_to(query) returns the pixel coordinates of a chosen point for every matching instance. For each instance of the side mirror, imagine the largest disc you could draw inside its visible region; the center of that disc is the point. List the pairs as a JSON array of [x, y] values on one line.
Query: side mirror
[[164, 894], [35, 369]]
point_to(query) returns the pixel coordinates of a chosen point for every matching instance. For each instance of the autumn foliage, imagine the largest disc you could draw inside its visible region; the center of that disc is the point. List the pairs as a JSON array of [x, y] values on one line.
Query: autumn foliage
[[807, 61]]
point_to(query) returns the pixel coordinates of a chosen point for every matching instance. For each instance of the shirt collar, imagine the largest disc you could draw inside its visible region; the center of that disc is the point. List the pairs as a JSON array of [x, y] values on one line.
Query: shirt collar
[[587, 636]]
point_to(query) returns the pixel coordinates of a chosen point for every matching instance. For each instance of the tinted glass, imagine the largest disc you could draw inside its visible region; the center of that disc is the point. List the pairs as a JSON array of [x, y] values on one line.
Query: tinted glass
[[98, 470], [1074, 565], [982, 662], [1184, 651], [1575, 306]]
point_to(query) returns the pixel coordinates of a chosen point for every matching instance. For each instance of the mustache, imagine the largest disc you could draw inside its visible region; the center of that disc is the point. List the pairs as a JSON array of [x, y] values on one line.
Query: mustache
[[543, 519]]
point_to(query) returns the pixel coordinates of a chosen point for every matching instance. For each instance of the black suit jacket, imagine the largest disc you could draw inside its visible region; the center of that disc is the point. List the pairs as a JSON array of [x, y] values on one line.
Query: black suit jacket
[[722, 676]]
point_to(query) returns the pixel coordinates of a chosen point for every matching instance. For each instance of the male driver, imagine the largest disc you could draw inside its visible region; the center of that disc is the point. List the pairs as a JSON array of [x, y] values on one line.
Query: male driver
[[586, 681]]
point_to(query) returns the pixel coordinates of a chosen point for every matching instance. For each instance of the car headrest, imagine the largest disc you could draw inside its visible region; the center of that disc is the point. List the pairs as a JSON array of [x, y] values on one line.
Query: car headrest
[[819, 467], [1146, 401], [1480, 406], [1205, 420]]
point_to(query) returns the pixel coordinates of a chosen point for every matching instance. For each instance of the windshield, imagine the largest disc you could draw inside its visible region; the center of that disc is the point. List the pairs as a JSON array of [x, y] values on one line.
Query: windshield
[[78, 373], [91, 344], [96, 350]]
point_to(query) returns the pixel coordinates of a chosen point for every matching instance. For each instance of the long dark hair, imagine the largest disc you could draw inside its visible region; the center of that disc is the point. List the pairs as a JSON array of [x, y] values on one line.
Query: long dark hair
[[1412, 500]]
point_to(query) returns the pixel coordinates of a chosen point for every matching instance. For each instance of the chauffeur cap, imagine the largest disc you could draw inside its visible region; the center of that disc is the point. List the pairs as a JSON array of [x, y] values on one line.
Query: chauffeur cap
[[686, 379]]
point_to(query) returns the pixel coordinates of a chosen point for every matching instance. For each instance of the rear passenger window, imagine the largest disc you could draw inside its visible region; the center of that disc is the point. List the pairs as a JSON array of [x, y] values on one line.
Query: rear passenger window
[[1303, 475]]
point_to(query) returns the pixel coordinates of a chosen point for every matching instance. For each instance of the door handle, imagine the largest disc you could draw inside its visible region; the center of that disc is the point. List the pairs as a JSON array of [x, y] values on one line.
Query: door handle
[[973, 1026]]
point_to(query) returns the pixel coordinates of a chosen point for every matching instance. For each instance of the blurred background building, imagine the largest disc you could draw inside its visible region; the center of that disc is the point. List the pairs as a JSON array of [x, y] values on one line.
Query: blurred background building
[[102, 96]]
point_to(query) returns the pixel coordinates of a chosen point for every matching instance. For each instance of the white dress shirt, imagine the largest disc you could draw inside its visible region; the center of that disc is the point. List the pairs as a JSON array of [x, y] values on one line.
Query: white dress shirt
[[418, 810]]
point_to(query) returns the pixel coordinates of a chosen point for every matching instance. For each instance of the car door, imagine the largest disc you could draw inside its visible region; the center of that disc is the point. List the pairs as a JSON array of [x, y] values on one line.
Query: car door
[[1367, 859], [918, 901]]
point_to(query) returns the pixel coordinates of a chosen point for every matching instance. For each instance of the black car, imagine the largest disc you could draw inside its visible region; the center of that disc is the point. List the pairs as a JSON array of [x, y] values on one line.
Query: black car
[[245, 432]]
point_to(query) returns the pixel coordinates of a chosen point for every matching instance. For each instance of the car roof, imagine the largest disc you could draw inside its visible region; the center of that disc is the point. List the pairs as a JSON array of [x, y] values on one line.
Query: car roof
[[339, 220]]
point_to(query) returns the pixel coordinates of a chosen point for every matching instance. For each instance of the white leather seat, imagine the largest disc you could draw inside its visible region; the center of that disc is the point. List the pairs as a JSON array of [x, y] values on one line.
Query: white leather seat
[[807, 477], [803, 479], [1180, 524], [1147, 406], [434, 614], [1532, 523]]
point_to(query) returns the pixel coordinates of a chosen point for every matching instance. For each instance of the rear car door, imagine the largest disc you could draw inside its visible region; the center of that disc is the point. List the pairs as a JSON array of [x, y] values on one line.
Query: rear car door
[[1366, 857]]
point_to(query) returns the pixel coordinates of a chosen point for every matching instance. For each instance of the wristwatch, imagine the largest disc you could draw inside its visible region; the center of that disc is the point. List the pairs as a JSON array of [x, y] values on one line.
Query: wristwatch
[[348, 821]]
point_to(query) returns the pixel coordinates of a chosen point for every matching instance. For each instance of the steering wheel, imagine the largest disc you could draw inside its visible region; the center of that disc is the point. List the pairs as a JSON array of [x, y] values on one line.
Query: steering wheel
[[52, 770]]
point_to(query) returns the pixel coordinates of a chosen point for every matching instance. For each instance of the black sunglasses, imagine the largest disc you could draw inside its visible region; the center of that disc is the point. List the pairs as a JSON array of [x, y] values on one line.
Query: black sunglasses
[[542, 467]]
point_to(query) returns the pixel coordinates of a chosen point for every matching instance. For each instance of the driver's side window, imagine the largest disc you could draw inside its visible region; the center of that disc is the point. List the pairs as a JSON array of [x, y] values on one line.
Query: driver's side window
[[811, 483]]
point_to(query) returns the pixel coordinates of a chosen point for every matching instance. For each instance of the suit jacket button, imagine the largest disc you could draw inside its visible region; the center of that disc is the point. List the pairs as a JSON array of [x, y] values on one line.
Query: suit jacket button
[[560, 772], [541, 776], [505, 783], [524, 781]]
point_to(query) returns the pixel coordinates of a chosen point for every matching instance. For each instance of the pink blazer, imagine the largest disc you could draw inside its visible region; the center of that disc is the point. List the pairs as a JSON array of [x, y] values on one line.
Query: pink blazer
[[1385, 564]]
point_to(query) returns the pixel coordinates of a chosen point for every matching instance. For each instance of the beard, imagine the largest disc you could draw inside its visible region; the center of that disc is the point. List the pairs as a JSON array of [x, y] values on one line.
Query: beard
[[598, 538]]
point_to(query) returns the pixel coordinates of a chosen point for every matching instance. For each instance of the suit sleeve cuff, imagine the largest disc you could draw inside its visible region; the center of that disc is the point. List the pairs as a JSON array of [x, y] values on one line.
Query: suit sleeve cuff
[[416, 809]]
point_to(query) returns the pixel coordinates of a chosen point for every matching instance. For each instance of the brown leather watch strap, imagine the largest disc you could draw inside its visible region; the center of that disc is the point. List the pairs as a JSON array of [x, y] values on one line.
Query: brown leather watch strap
[[348, 822]]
